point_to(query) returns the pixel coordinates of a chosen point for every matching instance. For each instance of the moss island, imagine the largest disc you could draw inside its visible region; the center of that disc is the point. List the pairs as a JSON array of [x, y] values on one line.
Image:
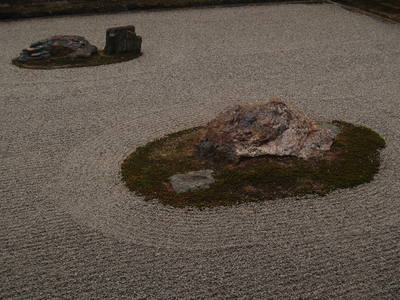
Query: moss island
[[60, 63], [353, 159]]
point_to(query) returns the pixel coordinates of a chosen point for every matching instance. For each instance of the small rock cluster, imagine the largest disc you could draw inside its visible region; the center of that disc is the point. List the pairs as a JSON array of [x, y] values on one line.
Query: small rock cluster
[[119, 40], [272, 128], [60, 46]]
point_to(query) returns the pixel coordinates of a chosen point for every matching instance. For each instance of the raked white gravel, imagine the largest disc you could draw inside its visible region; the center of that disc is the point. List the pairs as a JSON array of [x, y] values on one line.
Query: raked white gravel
[[69, 229]]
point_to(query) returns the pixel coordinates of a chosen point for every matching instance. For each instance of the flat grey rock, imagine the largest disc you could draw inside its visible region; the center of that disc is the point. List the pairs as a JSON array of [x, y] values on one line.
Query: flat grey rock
[[59, 46], [191, 181]]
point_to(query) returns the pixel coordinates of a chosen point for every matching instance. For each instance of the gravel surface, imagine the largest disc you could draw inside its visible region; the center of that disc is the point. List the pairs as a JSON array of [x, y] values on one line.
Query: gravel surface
[[70, 230]]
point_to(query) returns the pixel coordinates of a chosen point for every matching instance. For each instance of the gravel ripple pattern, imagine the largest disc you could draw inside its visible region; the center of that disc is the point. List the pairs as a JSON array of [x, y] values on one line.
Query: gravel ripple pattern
[[70, 229]]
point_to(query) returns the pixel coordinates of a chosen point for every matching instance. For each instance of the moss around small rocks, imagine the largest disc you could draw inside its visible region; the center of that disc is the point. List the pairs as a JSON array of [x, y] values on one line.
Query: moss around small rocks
[[59, 63], [353, 159]]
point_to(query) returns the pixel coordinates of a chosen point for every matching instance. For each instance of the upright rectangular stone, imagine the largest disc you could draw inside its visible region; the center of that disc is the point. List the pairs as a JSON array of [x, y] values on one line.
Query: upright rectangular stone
[[121, 40]]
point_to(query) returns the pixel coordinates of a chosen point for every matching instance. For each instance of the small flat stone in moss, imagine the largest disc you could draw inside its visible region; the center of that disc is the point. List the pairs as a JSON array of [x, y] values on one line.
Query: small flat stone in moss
[[191, 181]]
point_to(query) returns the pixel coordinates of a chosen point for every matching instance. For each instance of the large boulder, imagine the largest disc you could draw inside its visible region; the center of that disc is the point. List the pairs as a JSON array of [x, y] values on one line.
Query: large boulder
[[60, 46], [272, 128], [122, 40]]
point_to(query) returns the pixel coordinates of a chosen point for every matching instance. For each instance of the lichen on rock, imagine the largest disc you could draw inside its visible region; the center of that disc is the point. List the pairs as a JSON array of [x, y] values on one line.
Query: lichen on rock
[[192, 181], [272, 128], [59, 46]]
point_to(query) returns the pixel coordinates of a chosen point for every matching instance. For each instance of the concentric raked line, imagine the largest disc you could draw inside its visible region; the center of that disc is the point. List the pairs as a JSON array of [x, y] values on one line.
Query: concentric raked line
[[91, 190]]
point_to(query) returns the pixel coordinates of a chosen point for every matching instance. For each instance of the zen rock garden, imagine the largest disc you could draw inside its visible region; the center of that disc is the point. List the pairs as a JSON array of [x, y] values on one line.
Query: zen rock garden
[[249, 152], [253, 152], [62, 51]]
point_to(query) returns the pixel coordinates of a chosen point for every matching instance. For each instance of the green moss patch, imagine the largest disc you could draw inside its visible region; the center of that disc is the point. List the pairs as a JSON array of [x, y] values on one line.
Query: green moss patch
[[59, 63], [353, 159]]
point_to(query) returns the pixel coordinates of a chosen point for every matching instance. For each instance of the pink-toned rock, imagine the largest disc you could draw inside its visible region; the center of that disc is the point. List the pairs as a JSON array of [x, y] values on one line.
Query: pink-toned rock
[[272, 128], [59, 46]]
